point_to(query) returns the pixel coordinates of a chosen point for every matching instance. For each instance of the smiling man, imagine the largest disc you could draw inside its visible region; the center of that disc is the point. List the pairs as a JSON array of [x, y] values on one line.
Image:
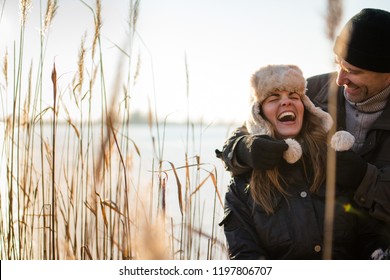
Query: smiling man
[[360, 84]]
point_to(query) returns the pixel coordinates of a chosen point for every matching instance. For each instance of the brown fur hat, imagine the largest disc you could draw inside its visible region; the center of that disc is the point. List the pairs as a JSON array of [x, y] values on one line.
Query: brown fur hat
[[271, 78]]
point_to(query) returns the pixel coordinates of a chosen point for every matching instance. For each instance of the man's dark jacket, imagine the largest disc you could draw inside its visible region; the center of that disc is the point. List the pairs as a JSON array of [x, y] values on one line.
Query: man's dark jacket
[[374, 191]]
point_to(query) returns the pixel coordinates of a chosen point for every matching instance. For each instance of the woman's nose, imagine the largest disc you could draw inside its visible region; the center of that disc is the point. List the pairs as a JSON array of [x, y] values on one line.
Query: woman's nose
[[285, 101]]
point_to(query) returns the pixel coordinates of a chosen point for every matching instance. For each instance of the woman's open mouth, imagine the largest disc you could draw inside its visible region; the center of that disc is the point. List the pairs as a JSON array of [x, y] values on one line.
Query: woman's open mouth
[[287, 117]]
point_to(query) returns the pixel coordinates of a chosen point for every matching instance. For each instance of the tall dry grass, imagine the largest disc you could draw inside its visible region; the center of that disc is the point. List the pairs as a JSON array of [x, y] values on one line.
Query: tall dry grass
[[71, 188], [333, 18]]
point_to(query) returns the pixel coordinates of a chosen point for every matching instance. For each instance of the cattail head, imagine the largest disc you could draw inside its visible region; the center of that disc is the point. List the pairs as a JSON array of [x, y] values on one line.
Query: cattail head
[[5, 68], [54, 81], [333, 17], [24, 6], [134, 12], [80, 64], [98, 25], [51, 9]]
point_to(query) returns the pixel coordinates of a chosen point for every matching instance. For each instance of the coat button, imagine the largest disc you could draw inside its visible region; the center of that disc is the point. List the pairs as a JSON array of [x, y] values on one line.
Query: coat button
[[303, 194], [317, 248]]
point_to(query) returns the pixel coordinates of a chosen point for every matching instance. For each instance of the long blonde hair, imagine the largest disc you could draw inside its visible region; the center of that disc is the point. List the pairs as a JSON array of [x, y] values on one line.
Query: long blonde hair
[[264, 185]]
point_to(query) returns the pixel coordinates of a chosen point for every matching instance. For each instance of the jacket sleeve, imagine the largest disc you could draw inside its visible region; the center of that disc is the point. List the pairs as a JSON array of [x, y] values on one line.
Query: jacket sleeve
[[228, 154], [374, 236], [374, 193], [241, 237]]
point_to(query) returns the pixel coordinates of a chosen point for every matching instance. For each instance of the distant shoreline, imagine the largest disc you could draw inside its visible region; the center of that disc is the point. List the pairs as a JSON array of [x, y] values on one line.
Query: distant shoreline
[[135, 119]]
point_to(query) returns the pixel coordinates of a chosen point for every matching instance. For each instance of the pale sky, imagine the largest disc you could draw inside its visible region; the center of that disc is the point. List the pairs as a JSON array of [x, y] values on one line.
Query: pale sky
[[224, 42]]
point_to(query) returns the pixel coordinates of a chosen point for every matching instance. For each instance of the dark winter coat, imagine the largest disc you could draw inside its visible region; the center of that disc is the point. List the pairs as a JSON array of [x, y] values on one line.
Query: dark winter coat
[[295, 230]]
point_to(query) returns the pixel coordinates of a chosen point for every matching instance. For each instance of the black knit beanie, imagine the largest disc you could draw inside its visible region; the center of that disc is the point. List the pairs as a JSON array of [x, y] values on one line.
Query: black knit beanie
[[365, 41]]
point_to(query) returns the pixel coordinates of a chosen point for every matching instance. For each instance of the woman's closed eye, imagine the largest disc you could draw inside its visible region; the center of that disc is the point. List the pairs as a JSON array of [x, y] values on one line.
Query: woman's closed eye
[[294, 95]]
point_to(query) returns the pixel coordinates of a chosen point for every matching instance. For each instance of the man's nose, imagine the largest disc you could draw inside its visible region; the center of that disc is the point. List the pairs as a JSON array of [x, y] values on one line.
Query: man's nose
[[342, 78]]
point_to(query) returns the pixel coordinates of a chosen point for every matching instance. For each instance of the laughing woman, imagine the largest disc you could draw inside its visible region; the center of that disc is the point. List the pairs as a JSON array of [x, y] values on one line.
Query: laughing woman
[[277, 211]]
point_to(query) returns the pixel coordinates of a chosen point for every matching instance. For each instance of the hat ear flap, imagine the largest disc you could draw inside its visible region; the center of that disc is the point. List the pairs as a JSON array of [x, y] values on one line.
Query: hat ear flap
[[255, 122], [326, 119]]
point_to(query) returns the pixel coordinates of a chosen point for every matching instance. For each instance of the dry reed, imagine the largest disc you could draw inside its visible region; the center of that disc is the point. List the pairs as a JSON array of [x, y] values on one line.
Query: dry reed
[[5, 69], [72, 191], [24, 7], [334, 13]]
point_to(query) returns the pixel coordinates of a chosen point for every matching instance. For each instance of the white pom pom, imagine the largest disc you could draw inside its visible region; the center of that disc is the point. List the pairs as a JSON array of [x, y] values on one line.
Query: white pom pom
[[342, 141], [294, 151]]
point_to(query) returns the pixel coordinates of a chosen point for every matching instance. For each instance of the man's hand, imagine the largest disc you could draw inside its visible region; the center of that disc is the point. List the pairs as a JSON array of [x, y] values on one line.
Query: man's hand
[[350, 170]]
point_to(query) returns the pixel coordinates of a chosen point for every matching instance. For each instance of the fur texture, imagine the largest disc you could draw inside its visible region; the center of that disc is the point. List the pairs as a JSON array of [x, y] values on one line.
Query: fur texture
[[342, 141], [294, 151], [277, 77]]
